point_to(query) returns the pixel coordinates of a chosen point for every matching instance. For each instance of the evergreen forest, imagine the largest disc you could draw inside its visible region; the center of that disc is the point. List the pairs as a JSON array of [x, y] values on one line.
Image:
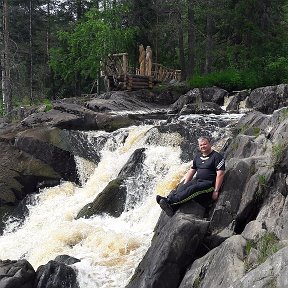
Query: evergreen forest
[[51, 49]]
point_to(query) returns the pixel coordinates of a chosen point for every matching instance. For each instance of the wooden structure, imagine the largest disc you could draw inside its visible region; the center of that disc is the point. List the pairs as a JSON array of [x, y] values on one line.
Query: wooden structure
[[119, 76]]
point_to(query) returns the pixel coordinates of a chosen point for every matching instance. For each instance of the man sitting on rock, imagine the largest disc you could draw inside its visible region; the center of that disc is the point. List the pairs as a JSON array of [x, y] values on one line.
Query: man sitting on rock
[[209, 167]]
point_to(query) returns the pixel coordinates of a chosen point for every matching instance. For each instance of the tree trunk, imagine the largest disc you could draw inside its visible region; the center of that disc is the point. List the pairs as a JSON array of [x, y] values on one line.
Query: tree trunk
[[209, 39], [31, 51], [181, 47], [191, 39], [6, 67], [78, 75]]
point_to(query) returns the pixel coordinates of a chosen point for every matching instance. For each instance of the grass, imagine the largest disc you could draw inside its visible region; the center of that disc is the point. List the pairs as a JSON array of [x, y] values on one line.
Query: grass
[[48, 105], [266, 246], [278, 151], [284, 114]]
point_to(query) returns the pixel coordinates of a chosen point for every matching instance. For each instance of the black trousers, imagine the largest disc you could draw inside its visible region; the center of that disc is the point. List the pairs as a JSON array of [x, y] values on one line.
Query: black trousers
[[187, 191]]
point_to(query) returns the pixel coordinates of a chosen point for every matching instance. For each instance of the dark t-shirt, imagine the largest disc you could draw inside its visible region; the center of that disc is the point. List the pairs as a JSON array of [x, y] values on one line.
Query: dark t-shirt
[[207, 166]]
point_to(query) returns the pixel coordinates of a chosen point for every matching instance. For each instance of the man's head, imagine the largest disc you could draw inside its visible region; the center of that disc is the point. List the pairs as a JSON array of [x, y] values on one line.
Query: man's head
[[204, 145]]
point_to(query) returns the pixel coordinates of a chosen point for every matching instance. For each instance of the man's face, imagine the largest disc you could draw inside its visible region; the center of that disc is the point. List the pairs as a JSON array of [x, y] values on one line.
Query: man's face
[[204, 146]]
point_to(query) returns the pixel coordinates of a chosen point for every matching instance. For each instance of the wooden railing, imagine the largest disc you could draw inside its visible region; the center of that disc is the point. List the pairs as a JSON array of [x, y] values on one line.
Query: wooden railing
[[163, 74]]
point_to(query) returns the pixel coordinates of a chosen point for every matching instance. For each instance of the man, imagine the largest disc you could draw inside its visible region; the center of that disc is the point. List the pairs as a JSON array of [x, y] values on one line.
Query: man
[[209, 167]]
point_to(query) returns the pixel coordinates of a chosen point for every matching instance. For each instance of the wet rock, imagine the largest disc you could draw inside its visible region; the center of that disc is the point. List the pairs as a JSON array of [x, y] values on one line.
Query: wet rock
[[111, 201], [60, 160], [235, 100], [18, 274], [134, 164], [55, 275], [66, 259]]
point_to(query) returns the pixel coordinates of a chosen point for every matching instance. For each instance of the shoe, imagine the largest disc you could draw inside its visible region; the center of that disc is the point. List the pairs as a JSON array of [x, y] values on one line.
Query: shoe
[[166, 207], [158, 198]]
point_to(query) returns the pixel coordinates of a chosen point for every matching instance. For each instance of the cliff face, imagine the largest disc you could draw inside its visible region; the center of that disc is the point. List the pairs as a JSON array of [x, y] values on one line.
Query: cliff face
[[243, 241]]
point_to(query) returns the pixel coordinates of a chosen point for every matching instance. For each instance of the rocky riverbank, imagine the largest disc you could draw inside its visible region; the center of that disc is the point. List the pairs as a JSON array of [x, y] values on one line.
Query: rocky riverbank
[[190, 248]]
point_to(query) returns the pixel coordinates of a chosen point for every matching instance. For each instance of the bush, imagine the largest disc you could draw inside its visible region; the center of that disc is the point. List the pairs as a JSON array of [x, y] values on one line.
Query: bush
[[229, 80], [261, 71]]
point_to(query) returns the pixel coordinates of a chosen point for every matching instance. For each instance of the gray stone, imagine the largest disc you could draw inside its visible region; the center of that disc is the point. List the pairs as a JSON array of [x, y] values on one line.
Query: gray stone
[[218, 268]]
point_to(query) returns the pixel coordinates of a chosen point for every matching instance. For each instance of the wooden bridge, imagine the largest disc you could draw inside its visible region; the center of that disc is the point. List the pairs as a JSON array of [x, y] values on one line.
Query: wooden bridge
[[119, 76]]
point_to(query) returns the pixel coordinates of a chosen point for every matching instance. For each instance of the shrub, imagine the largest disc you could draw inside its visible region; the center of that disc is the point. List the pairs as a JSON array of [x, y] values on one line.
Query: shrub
[[230, 80], [48, 105]]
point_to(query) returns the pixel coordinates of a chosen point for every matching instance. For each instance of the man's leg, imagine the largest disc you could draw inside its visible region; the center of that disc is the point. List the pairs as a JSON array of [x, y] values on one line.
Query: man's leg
[[188, 190], [181, 195]]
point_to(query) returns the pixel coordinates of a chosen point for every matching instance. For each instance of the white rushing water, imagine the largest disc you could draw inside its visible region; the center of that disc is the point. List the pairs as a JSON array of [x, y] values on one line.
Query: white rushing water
[[109, 248]]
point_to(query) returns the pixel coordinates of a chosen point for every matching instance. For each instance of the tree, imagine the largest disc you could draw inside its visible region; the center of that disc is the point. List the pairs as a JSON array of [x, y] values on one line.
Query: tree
[[92, 39], [6, 63]]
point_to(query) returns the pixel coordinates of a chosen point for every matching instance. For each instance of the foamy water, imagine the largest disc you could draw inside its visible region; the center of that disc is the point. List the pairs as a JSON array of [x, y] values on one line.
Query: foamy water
[[109, 248]]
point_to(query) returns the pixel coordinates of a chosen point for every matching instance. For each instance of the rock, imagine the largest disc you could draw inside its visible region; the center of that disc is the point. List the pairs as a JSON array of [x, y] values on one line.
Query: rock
[[111, 201], [172, 250], [134, 164], [66, 259], [253, 231], [18, 274], [20, 175], [272, 273], [234, 103], [54, 275], [198, 95], [218, 268], [201, 108], [60, 160], [267, 99], [117, 101]]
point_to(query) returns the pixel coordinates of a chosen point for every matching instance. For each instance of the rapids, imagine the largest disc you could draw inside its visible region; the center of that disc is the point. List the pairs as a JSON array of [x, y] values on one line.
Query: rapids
[[109, 248]]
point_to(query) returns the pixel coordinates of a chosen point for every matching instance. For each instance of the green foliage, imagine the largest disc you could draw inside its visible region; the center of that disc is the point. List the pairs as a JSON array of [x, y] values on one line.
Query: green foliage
[[196, 283], [81, 50], [278, 151], [266, 246], [262, 188], [48, 105], [249, 245], [228, 79], [284, 114]]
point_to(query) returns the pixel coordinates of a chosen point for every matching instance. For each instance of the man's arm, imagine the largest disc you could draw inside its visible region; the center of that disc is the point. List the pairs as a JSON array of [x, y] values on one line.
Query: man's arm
[[218, 183], [189, 175]]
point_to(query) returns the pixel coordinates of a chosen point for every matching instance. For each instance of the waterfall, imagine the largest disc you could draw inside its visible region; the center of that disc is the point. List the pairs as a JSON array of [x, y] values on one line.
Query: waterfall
[[109, 248]]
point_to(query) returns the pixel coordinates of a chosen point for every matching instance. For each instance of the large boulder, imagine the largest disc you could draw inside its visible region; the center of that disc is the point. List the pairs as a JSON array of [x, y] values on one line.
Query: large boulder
[[21, 174], [38, 144], [110, 201], [175, 243], [267, 99], [55, 275], [202, 108], [198, 95], [218, 268], [18, 274]]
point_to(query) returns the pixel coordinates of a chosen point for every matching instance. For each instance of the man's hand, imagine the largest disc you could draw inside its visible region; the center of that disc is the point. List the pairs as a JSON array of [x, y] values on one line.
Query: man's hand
[[215, 195]]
